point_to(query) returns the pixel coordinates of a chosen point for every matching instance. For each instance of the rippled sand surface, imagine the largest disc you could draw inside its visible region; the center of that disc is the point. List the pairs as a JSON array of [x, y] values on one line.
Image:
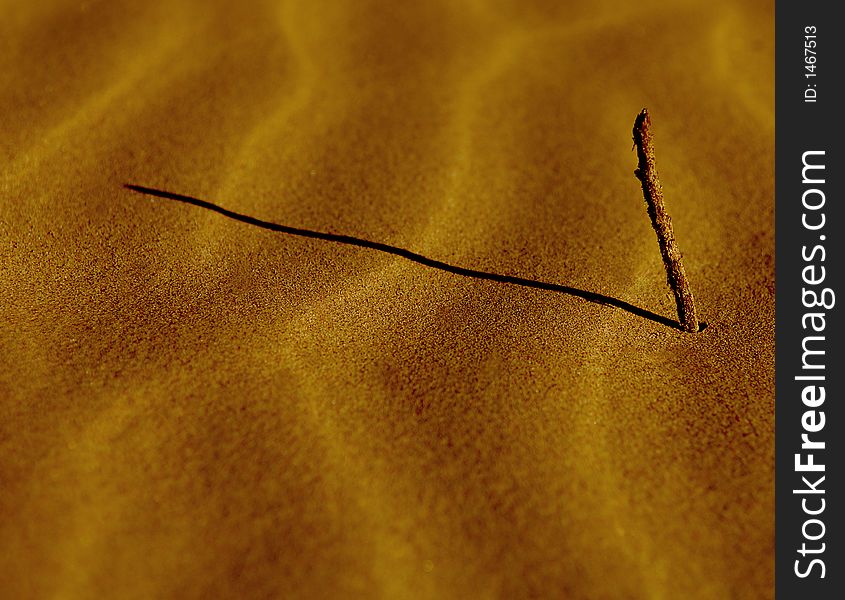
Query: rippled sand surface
[[196, 407]]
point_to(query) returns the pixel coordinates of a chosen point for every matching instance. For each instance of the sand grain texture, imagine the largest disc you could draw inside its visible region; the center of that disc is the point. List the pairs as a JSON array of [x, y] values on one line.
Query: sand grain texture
[[194, 407]]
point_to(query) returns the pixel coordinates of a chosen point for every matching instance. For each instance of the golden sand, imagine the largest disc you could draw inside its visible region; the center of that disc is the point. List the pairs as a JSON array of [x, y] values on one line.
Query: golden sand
[[193, 406]]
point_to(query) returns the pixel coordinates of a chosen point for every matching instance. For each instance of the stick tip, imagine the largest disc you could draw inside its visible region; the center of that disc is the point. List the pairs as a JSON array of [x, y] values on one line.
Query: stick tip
[[642, 119]]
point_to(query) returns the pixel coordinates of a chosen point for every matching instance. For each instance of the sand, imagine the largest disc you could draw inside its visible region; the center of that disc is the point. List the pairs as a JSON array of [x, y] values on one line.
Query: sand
[[196, 407]]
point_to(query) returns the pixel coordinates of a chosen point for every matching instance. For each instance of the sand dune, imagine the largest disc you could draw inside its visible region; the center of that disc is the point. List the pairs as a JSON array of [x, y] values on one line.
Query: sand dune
[[194, 406]]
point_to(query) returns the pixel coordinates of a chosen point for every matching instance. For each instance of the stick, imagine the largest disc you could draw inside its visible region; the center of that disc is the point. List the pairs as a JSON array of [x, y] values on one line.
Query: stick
[[647, 174]]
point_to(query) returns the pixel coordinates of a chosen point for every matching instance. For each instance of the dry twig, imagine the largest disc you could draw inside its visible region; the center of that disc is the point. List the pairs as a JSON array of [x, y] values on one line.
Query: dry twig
[[647, 174]]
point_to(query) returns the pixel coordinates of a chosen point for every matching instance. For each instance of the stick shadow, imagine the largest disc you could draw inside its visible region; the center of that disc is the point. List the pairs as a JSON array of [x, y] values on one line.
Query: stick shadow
[[412, 256]]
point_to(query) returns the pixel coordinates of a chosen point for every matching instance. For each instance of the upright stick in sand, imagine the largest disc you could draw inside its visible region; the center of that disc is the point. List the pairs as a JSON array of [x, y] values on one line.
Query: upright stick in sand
[[647, 174]]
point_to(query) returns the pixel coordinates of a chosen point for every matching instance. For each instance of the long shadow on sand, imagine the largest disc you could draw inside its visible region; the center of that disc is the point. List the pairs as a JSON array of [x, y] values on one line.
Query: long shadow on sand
[[417, 258]]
